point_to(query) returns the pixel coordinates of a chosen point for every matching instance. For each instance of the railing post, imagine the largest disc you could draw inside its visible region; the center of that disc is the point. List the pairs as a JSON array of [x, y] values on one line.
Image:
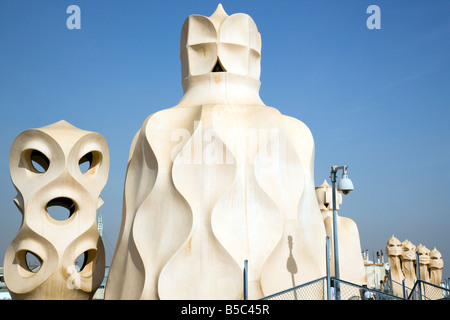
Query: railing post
[[448, 287], [245, 280], [404, 289], [419, 283], [390, 282], [328, 268]]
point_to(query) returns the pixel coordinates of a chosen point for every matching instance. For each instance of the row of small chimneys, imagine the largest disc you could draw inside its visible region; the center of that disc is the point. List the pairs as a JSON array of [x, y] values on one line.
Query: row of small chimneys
[[380, 256]]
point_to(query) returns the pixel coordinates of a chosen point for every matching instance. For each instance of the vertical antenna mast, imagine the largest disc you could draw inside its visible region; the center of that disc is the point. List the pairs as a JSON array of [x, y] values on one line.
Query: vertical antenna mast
[[100, 224]]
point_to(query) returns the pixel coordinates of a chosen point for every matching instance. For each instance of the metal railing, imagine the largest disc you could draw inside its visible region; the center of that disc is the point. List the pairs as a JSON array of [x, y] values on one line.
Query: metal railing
[[320, 290], [351, 291], [400, 289], [314, 290], [424, 290]]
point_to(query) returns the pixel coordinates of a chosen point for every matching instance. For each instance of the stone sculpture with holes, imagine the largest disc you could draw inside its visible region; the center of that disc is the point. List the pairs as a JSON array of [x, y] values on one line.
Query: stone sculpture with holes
[[47, 167]]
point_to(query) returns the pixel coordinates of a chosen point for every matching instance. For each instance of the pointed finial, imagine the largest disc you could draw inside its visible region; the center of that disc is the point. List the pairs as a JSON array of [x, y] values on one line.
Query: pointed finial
[[324, 184], [218, 16], [220, 11], [59, 124]]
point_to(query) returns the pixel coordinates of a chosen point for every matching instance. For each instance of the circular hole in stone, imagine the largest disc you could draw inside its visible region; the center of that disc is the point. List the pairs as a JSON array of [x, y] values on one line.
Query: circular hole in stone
[[33, 262], [81, 261], [89, 162], [61, 208], [85, 162], [39, 161]]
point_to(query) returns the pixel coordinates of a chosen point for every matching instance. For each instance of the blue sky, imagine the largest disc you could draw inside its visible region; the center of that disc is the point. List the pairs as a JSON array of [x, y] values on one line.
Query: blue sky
[[375, 100]]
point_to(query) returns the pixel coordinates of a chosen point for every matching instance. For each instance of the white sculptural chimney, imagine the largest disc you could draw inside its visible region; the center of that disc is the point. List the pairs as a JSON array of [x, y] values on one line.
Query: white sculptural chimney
[[216, 180], [45, 169], [220, 59]]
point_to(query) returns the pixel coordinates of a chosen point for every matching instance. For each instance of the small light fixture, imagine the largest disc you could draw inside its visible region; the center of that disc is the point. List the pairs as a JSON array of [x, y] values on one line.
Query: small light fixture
[[345, 185]]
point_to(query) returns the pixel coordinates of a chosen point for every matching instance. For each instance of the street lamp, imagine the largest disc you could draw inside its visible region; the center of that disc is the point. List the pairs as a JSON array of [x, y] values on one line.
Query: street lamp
[[345, 185]]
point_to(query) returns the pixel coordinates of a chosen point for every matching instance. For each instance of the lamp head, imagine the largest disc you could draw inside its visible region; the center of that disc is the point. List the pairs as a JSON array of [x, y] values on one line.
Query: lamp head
[[345, 185]]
